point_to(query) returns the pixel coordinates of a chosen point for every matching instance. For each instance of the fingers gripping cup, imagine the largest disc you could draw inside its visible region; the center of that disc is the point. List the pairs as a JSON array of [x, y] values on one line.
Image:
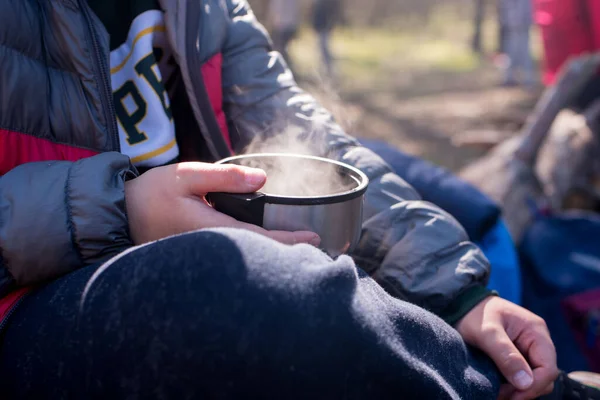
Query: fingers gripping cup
[[302, 193]]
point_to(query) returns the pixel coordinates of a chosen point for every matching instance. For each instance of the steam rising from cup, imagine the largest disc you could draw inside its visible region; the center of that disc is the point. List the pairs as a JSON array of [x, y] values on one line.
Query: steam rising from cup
[[291, 176]]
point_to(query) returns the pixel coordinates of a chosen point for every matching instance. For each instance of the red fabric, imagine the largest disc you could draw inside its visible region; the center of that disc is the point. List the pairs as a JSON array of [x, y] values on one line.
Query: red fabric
[[594, 17], [18, 148], [211, 72], [9, 301], [567, 28], [583, 314]]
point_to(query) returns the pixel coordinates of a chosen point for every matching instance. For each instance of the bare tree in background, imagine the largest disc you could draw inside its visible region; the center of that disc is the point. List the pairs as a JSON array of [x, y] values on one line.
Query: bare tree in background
[[284, 20], [477, 26]]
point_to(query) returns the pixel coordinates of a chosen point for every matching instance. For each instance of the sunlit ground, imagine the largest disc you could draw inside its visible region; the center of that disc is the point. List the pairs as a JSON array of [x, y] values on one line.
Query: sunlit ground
[[417, 84]]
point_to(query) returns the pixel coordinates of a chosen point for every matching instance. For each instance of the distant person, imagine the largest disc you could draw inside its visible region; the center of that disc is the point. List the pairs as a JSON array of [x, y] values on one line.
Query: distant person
[[326, 15], [516, 18], [284, 16], [499, 58]]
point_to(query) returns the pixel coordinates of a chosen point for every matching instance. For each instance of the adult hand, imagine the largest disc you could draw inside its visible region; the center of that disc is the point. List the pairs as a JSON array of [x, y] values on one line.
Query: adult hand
[[518, 342], [170, 200]]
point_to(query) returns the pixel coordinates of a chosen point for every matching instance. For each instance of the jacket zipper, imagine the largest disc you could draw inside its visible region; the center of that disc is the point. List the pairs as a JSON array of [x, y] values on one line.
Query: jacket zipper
[[106, 93], [209, 126], [11, 311]]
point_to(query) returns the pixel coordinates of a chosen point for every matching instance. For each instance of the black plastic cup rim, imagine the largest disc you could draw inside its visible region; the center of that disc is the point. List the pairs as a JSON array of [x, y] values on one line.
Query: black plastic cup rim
[[360, 177]]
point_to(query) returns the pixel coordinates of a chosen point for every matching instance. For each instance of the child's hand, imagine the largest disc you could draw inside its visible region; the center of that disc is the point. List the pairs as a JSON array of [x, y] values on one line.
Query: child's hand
[[519, 343], [170, 200]]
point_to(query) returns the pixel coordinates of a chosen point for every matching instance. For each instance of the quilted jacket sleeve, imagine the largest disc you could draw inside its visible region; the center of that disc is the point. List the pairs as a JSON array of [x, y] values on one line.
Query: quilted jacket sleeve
[[58, 216], [418, 252]]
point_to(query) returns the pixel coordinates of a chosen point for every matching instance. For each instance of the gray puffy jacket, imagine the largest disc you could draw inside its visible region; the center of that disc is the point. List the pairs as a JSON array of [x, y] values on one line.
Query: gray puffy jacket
[[62, 183]]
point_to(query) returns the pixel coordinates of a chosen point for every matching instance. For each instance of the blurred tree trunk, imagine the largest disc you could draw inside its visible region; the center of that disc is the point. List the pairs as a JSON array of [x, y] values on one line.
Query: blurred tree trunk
[[478, 25], [260, 8]]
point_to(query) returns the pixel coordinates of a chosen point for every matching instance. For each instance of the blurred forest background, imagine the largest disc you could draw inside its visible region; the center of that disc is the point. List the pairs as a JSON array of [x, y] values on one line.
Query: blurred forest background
[[408, 75]]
